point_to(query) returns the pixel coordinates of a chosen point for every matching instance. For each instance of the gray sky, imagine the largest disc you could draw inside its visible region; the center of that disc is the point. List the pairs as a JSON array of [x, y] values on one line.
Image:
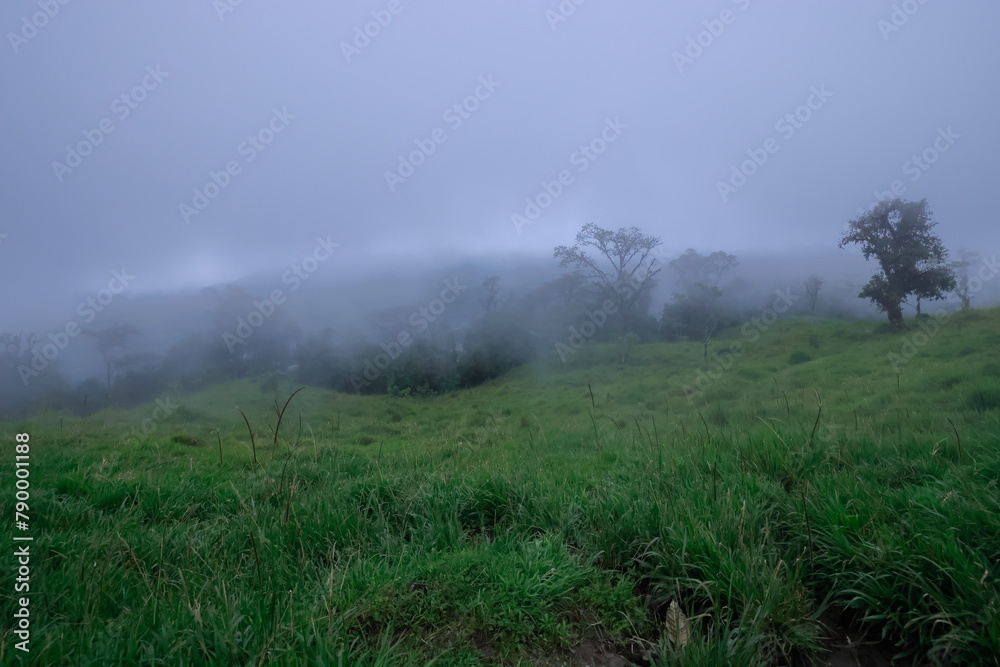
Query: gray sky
[[203, 82]]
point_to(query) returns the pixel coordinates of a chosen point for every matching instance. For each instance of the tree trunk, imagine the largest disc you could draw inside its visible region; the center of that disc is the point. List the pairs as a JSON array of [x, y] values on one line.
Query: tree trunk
[[625, 309], [707, 339], [895, 312], [107, 371]]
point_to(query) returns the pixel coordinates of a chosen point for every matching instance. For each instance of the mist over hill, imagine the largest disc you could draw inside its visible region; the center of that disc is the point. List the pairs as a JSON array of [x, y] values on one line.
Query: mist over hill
[[303, 308]]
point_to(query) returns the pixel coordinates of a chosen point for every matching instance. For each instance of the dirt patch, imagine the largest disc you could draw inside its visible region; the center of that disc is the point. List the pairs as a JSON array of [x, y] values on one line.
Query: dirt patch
[[588, 653], [593, 654], [484, 646]]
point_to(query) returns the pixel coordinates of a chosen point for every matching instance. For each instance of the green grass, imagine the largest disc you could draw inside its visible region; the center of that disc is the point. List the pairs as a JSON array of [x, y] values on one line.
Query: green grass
[[527, 519]]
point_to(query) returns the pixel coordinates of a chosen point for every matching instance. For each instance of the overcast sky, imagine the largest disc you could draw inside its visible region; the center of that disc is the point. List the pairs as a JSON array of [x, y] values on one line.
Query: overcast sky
[[116, 115]]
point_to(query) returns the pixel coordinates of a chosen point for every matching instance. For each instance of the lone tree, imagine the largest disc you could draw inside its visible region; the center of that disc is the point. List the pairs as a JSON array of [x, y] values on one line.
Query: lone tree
[[696, 271], [812, 284], [962, 276], [622, 269], [491, 291], [898, 234], [696, 308], [107, 341]]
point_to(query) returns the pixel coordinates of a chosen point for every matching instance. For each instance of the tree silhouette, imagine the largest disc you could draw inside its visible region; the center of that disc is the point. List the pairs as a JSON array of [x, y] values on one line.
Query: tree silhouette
[[622, 269], [491, 290], [696, 308], [813, 284], [694, 269], [961, 269], [911, 258], [108, 340]]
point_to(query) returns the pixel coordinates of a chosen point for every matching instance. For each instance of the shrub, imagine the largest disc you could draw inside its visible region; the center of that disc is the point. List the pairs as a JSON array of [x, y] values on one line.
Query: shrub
[[798, 357], [494, 347], [982, 399], [185, 439]]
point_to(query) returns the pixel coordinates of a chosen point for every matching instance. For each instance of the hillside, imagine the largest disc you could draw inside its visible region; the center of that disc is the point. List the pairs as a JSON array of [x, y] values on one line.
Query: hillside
[[828, 486]]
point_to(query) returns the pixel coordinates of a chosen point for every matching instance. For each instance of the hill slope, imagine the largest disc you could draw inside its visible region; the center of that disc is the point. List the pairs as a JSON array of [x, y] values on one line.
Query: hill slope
[[758, 508]]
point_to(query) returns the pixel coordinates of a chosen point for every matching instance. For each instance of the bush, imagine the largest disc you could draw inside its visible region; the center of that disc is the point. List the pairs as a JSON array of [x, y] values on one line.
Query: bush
[[491, 349], [423, 369], [982, 399], [798, 357]]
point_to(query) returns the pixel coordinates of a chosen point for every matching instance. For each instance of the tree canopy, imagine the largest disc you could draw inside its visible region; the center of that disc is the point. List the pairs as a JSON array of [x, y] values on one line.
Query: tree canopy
[[693, 268], [622, 269], [912, 260]]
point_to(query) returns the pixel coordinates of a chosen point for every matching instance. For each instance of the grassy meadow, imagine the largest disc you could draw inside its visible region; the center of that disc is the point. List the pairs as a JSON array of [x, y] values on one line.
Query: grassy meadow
[[813, 506]]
